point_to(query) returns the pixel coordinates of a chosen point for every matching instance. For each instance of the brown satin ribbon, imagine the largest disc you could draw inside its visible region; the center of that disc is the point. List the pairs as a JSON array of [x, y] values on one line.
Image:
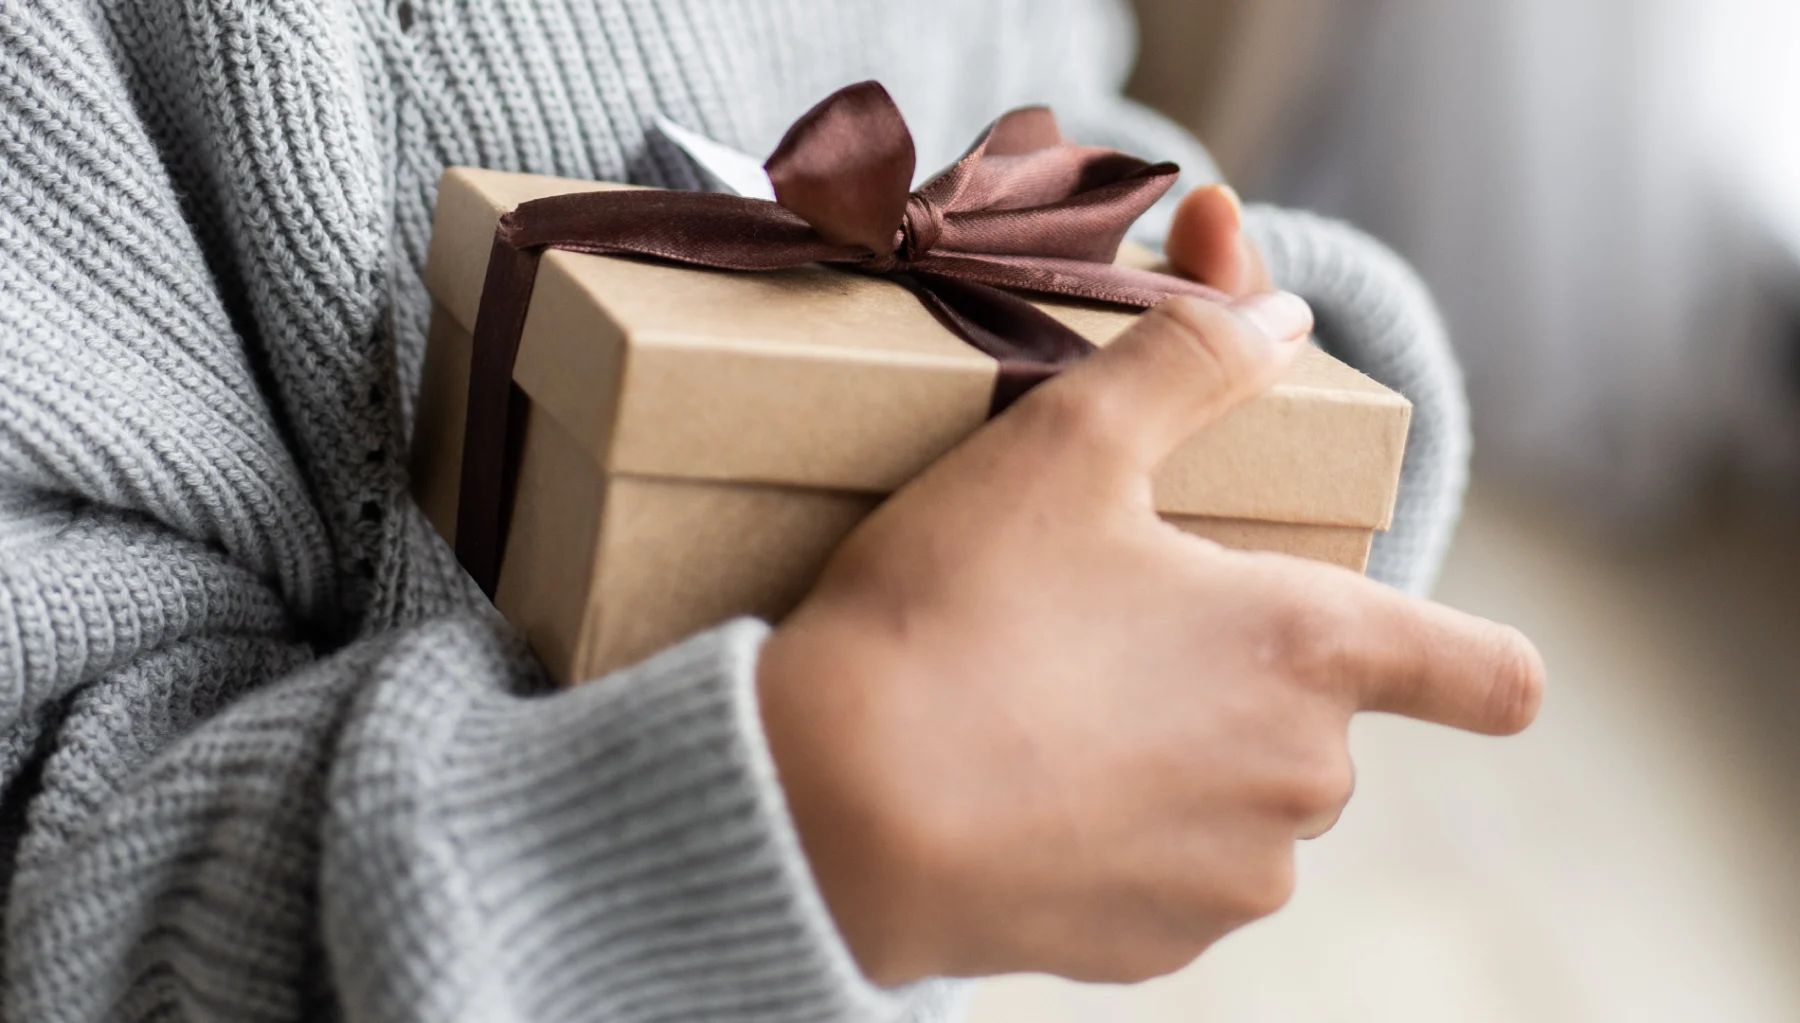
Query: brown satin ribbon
[[1023, 210]]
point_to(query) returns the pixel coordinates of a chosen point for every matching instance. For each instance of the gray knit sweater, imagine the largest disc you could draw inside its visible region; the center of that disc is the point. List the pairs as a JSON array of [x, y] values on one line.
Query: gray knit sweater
[[264, 754]]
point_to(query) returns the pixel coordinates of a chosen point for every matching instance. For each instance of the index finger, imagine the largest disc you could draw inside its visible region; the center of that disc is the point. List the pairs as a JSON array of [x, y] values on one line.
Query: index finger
[[1206, 242], [1398, 654]]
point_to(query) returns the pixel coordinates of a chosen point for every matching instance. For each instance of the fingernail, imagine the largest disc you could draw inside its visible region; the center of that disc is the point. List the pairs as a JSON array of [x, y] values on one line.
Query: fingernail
[[1282, 315], [1237, 202]]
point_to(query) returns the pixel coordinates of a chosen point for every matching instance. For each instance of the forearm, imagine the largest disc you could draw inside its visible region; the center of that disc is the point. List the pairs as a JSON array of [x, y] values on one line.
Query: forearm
[[403, 833]]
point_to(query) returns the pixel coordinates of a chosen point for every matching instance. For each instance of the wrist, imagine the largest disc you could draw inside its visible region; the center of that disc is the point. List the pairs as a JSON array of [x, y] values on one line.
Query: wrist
[[814, 688]]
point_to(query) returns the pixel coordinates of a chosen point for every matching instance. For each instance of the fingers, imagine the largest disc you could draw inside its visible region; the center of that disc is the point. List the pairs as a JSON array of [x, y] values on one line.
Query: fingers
[[1207, 243], [1179, 367], [1386, 651], [1441, 665]]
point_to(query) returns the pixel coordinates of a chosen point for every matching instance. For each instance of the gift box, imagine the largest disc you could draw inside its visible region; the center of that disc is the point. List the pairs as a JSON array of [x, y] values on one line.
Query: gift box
[[691, 444]]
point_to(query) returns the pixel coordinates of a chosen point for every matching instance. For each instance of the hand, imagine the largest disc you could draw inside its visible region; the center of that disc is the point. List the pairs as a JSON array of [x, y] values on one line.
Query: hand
[[1025, 725]]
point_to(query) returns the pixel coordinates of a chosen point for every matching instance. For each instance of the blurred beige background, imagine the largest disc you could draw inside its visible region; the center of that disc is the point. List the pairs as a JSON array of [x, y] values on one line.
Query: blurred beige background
[[1632, 858], [1235, 72]]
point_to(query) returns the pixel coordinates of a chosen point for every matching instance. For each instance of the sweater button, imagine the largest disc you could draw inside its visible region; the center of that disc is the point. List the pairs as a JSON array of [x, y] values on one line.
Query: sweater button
[[403, 13]]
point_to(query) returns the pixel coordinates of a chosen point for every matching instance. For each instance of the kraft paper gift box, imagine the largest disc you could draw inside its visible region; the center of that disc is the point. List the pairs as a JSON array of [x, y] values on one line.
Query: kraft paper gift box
[[697, 442]]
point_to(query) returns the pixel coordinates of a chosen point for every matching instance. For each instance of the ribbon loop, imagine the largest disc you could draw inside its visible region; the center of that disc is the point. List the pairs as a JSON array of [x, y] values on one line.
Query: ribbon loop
[[846, 166]]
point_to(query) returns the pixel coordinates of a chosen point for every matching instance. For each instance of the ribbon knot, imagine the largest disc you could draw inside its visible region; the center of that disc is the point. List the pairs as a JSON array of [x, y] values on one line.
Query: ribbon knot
[[1023, 210], [920, 227]]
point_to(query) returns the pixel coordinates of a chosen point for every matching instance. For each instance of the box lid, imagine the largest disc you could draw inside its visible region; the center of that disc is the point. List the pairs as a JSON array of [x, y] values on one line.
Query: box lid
[[821, 378]]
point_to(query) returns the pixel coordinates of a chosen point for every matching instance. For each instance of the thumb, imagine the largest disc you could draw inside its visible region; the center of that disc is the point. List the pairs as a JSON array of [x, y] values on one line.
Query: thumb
[[1182, 365]]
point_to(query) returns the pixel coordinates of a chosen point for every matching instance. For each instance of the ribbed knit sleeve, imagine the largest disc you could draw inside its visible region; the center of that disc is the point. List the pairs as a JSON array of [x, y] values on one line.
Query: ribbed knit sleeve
[[617, 852], [397, 833], [264, 755]]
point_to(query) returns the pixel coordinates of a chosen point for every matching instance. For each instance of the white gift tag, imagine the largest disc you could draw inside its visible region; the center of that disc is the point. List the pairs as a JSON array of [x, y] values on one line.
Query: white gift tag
[[738, 172]]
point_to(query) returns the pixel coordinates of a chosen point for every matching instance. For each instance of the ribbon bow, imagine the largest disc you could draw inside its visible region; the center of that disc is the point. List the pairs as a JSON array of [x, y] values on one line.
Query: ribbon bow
[[1023, 210]]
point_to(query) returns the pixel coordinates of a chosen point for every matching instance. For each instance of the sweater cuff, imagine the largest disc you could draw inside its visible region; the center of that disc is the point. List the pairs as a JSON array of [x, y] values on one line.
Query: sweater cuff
[[625, 852], [1376, 314]]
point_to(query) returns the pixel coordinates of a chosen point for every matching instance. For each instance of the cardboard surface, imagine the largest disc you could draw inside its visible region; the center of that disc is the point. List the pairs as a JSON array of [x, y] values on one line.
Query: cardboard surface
[[698, 442], [817, 377], [602, 569]]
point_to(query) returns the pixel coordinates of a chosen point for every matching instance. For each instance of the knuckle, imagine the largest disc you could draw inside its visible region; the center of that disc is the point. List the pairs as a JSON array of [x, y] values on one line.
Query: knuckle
[[1210, 339], [1075, 414], [1306, 637], [1324, 788], [1267, 889]]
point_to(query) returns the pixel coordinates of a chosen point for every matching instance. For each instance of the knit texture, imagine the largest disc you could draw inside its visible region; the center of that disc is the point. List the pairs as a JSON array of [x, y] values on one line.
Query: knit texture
[[265, 754]]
